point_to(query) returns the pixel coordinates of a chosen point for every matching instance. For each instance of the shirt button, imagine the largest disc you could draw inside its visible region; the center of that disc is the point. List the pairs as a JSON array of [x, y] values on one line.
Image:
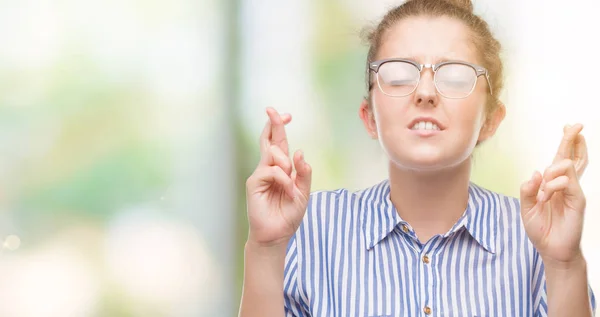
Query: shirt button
[[405, 228], [427, 310], [426, 259]]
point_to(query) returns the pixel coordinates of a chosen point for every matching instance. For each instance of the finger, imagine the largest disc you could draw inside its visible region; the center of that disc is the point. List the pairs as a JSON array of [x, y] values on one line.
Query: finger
[[558, 184], [286, 117], [529, 191], [294, 175], [580, 155], [565, 149], [303, 174], [265, 136], [278, 135], [275, 175], [276, 157], [564, 167]]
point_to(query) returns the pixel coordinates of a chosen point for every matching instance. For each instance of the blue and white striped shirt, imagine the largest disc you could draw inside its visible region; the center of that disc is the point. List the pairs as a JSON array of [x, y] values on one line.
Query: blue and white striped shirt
[[354, 256]]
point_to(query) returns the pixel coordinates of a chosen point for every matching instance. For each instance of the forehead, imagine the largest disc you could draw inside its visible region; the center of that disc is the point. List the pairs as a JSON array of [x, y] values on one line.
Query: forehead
[[429, 40]]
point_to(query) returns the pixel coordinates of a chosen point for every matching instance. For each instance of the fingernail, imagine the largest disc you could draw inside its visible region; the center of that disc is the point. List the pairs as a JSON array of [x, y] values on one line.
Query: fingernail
[[540, 196]]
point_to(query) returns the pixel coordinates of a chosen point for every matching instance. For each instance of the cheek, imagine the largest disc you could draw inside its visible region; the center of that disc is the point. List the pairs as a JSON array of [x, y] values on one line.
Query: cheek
[[472, 115], [389, 111]]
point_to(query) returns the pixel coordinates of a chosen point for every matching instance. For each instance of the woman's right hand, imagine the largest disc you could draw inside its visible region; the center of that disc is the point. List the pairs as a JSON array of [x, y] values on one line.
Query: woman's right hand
[[277, 193]]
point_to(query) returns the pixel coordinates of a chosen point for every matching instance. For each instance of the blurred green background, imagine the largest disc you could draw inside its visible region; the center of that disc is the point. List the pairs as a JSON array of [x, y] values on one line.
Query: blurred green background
[[128, 129]]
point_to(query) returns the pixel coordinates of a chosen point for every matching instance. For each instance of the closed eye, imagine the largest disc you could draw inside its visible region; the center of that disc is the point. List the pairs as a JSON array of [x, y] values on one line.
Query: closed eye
[[401, 82]]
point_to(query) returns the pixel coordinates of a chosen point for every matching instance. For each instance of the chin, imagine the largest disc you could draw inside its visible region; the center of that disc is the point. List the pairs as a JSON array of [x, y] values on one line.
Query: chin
[[427, 158]]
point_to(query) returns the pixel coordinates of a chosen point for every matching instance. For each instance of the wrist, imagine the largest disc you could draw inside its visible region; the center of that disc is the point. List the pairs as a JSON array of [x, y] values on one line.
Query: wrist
[[576, 263], [278, 248]]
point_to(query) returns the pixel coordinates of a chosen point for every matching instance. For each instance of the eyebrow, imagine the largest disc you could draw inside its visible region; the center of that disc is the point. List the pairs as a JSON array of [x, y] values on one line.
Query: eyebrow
[[436, 60]]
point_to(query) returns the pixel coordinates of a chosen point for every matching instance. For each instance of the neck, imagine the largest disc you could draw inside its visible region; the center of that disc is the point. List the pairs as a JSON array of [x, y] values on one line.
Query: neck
[[431, 202]]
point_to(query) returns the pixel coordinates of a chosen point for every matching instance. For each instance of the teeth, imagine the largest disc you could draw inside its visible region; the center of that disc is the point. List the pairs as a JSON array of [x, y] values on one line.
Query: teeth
[[422, 125]]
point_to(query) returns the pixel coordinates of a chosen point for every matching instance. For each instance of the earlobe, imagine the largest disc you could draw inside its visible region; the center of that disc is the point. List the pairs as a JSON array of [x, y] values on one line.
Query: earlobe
[[365, 113], [493, 122]]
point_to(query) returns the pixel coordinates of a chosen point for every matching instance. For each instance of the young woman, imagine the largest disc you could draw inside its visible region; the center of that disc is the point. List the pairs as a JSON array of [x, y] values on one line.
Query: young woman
[[426, 241]]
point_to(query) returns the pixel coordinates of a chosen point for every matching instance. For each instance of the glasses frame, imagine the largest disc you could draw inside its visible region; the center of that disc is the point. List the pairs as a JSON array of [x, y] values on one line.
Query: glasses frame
[[479, 71]]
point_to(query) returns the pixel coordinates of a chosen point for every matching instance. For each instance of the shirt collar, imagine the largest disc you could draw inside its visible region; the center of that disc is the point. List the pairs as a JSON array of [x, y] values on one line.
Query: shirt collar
[[481, 216], [379, 216]]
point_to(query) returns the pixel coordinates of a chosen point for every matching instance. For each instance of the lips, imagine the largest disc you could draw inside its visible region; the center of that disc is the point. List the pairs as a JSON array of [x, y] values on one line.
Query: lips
[[423, 125], [426, 123]]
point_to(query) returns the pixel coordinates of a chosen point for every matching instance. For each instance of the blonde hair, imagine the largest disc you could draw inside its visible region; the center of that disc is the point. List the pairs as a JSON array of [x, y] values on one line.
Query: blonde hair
[[485, 43]]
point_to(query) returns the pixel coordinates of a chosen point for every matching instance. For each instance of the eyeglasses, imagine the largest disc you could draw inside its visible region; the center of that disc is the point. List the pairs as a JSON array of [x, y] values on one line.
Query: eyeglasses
[[398, 77]]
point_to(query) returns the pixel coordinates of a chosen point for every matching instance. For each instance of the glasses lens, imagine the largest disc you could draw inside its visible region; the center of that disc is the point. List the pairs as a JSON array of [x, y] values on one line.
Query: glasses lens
[[455, 80], [397, 78]]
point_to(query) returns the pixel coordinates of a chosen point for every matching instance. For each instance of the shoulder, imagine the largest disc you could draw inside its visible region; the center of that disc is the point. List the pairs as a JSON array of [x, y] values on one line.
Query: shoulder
[[338, 201], [503, 206], [509, 228], [334, 212]]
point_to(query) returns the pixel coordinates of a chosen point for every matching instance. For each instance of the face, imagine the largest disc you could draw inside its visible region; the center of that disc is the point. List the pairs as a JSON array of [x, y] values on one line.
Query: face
[[461, 122]]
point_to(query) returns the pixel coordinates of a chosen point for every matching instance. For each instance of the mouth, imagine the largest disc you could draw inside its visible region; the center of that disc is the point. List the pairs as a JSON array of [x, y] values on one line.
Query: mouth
[[426, 124]]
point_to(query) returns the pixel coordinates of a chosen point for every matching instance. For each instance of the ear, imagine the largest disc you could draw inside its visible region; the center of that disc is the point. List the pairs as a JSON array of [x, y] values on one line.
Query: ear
[[492, 123], [366, 115]]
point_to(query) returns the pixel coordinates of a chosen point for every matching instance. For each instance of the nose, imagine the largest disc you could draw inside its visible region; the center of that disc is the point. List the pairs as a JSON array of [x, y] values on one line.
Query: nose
[[426, 93]]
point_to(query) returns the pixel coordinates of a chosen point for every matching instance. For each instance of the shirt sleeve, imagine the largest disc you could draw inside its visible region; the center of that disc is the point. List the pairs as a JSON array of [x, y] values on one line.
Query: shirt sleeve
[[540, 300], [293, 302]]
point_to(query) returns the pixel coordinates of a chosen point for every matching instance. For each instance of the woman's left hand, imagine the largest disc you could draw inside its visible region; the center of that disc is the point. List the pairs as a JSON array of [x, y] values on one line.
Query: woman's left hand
[[553, 204]]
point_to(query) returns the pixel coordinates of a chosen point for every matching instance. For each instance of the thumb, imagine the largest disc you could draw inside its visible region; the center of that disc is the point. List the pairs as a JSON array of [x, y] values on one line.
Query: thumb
[[529, 191], [303, 174]]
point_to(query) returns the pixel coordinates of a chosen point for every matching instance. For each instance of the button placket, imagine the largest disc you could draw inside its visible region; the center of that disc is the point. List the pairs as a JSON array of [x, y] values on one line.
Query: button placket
[[427, 264], [429, 291]]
